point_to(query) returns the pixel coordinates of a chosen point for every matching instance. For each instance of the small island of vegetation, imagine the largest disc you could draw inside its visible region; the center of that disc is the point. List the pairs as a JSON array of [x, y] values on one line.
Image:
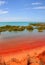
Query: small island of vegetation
[[39, 26]]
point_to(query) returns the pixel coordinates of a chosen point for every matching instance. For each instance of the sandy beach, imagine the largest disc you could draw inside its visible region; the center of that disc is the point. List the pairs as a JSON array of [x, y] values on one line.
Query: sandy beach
[[19, 44], [17, 51]]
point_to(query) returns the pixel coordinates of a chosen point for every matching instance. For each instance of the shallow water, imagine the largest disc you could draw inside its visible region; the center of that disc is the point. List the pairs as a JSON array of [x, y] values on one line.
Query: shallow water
[[12, 42], [8, 35]]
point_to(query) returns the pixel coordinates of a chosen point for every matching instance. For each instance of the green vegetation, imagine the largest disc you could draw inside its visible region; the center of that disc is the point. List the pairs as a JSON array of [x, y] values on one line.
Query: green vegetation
[[29, 28], [39, 26], [15, 28]]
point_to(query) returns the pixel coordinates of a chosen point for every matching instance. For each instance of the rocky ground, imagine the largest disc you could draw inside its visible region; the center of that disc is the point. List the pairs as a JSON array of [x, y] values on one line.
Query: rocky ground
[[29, 57]]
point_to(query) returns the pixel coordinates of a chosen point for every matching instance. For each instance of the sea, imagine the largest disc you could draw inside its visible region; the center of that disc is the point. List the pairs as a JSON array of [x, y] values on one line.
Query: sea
[[14, 23]]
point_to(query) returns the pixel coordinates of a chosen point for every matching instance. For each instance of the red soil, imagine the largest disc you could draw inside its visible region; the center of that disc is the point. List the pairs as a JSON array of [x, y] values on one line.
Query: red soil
[[19, 44], [42, 57]]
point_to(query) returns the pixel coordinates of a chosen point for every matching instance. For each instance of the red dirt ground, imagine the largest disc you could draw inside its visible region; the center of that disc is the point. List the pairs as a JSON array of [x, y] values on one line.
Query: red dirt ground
[[19, 44]]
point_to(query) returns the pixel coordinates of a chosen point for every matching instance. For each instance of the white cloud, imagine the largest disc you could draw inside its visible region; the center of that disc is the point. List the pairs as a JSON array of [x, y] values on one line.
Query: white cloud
[[40, 7], [2, 3], [36, 3], [21, 19], [11, 19], [3, 11]]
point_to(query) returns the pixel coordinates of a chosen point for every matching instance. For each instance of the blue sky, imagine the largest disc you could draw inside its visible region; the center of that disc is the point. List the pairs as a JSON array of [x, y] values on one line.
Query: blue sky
[[22, 10]]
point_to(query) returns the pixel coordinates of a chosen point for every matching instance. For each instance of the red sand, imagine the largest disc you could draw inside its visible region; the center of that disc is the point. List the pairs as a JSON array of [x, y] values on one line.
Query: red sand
[[19, 44]]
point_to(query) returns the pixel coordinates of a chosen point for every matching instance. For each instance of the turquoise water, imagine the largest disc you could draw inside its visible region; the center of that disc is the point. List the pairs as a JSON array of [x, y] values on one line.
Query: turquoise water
[[14, 23]]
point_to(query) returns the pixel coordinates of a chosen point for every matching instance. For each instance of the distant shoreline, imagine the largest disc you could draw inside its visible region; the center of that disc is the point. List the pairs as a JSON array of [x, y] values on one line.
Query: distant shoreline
[[21, 27]]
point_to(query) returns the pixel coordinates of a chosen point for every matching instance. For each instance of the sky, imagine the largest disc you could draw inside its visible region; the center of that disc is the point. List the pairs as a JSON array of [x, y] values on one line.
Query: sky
[[22, 10]]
